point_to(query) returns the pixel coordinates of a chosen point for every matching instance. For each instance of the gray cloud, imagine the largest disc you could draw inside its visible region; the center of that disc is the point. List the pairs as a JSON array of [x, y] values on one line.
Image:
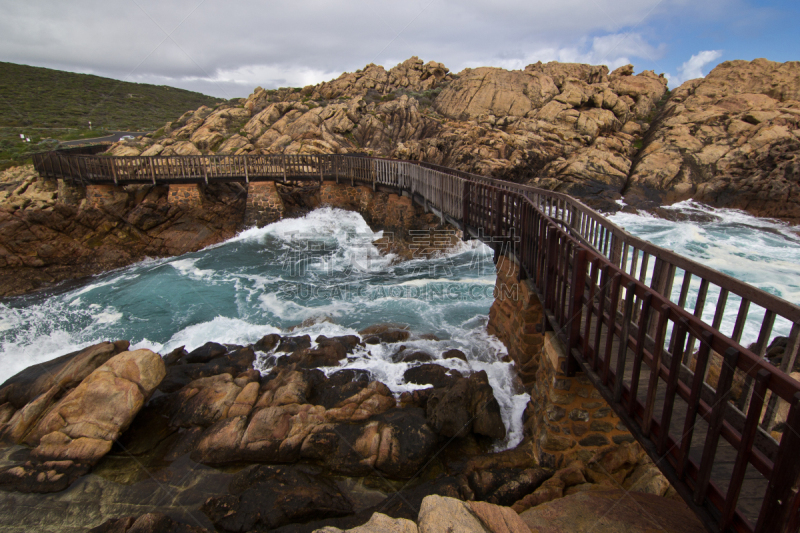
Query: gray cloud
[[227, 48]]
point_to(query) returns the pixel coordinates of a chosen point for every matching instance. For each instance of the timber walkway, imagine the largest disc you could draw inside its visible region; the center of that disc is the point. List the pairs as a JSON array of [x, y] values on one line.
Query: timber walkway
[[643, 323]]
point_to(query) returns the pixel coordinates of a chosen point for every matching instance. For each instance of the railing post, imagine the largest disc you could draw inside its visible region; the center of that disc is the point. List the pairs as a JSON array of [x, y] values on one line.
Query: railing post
[[578, 285], [721, 399], [152, 171], [114, 170], [465, 210], [780, 509], [498, 213]]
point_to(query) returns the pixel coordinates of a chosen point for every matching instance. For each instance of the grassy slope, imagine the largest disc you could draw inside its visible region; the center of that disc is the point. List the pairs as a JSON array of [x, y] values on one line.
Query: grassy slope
[[44, 103]]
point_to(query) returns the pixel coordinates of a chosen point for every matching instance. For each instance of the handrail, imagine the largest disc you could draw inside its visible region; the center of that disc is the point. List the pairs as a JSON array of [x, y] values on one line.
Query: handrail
[[617, 314]]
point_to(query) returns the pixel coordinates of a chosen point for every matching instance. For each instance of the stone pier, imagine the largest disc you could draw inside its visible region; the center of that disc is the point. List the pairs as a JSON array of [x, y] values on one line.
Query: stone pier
[[189, 194], [99, 195], [69, 193], [567, 417], [264, 204], [382, 209]]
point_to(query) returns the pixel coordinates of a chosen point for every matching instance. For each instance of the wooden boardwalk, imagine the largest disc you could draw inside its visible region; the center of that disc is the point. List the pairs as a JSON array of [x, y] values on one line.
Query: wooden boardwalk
[[655, 346]]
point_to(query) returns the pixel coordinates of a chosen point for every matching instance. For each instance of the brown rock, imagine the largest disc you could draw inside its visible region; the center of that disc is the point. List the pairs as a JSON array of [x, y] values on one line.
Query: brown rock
[[82, 241], [64, 372], [439, 514], [101, 407], [378, 523], [72, 433], [550, 490], [448, 410], [498, 519], [387, 333], [493, 91], [726, 140], [484, 407], [611, 511], [205, 401]]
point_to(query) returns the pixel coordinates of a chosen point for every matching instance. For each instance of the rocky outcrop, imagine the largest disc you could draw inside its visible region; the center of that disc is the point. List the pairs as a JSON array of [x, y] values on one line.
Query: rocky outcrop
[[574, 126], [21, 187], [71, 429], [411, 75], [72, 409], [626, 465], [289, 448], [731, 139]]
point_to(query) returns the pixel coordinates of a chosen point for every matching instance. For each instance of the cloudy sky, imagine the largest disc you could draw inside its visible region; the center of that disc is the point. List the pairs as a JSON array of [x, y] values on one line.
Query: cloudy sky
[[227, 48]]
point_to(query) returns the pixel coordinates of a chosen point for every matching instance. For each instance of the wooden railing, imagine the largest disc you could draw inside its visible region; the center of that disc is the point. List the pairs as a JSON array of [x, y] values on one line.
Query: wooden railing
[[701, 404]]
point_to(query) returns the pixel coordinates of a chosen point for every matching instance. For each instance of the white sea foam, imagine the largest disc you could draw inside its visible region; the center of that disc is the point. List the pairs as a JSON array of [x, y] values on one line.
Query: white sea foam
[[762, 252], [221, 329], [187, 267]]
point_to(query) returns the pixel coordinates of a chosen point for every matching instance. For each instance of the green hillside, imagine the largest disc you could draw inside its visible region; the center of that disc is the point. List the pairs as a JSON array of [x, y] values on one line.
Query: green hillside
[[51, 104]]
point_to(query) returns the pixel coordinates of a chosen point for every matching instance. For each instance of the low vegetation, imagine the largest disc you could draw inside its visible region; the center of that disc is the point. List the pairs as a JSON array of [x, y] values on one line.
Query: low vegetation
[[44, 104]]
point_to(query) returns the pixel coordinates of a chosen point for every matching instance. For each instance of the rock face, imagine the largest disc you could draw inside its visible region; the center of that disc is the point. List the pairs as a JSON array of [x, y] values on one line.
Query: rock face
[[21, 187], [730, 139], [39, 247], [572, 124], [410, 75]]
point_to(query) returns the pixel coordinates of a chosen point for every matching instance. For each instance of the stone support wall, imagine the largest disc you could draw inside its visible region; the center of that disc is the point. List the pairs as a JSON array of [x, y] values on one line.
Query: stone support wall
[[190, 194], [381, 210], [69, 193], [264, 204], [98, 195], [568, 419]]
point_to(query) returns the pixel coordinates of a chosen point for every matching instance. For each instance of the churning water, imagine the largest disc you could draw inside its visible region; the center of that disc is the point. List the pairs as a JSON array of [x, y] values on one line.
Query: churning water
[[323, 274], [762, 252]]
